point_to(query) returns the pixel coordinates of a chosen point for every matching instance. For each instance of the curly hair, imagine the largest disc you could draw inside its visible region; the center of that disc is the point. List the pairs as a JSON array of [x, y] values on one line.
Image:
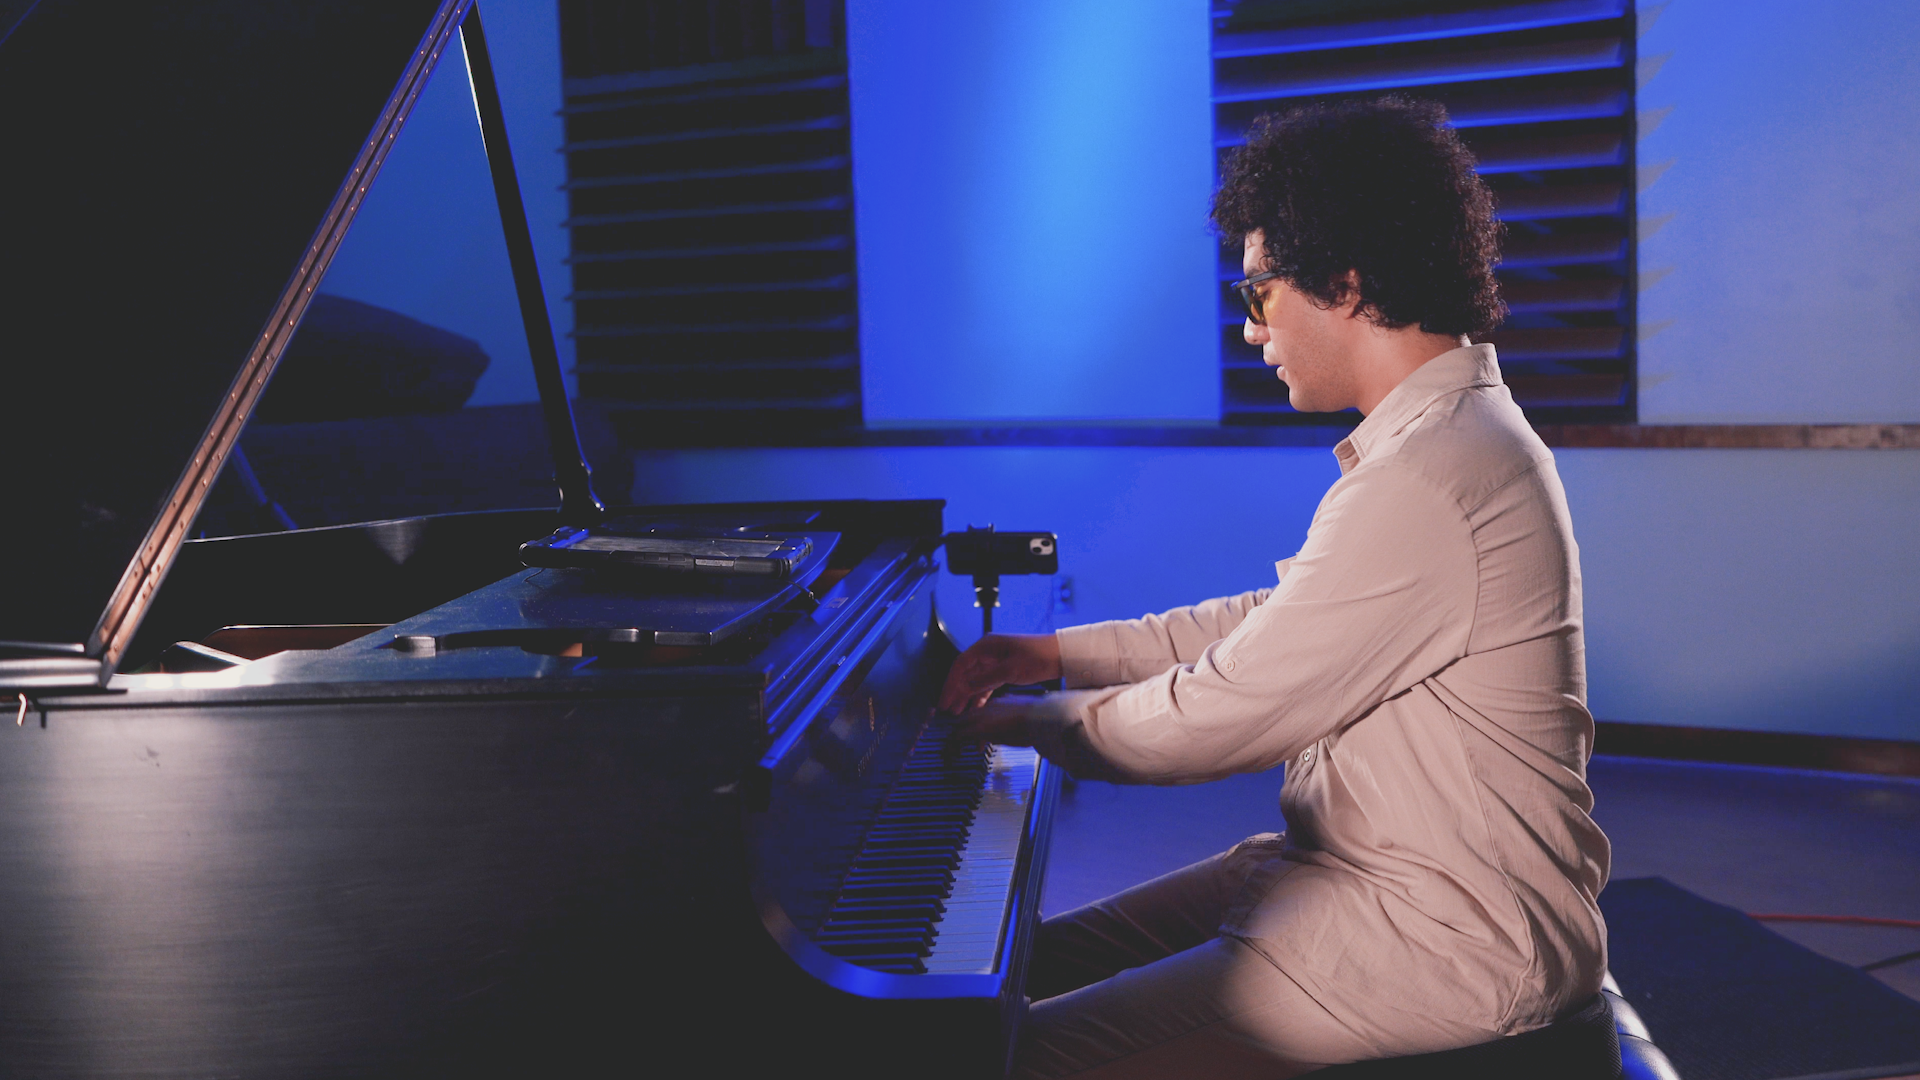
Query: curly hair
[[1383, 188]]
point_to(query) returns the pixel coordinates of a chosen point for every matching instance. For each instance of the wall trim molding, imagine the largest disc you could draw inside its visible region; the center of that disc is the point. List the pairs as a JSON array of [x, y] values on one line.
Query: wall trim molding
[[1829, 753], [1569, 436], [1734, 436]]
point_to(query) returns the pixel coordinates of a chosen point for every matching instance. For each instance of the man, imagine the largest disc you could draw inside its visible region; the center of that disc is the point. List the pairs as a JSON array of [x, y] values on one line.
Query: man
[[1419, 668]]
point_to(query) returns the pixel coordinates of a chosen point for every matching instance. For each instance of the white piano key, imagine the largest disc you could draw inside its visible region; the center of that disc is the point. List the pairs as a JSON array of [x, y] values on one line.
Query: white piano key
[[968, 934]]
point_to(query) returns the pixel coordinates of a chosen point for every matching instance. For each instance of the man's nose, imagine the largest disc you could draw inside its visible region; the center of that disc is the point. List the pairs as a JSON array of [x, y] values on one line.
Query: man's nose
[[1255, 333]]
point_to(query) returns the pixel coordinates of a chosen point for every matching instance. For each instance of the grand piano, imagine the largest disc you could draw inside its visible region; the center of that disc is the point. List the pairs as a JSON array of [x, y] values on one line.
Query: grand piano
[[380, 800]]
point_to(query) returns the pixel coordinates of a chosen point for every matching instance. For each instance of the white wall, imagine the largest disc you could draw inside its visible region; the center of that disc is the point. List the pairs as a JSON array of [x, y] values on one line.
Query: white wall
[[1759, 589], [1786, 253]]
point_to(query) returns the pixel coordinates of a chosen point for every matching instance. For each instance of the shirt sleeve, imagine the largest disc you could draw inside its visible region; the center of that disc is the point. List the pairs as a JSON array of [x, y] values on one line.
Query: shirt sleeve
[[1380, 597], [1129, 650]]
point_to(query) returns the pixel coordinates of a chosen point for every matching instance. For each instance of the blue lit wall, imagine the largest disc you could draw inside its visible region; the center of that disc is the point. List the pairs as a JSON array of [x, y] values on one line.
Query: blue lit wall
[[1030, 186], [1782, 235]]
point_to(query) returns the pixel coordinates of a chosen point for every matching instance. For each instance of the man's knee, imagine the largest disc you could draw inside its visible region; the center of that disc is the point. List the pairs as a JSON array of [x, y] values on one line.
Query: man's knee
[[1151, 921], [1219, 1009]]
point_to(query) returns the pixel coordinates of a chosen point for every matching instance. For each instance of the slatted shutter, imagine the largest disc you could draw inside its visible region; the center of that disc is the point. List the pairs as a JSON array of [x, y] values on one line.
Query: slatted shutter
[[711, 213], [1543, 93]]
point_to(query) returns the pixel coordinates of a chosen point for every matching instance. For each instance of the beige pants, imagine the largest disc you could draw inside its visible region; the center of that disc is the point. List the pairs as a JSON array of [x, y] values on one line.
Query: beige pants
[[1142, 985]]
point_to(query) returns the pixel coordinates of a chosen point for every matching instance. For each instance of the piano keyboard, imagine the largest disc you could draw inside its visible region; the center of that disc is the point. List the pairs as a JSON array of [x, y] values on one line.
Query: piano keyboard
[[931, 886]]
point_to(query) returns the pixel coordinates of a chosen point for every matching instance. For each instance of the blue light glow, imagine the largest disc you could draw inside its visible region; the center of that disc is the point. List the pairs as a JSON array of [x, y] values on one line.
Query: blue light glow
[[1031, 185]]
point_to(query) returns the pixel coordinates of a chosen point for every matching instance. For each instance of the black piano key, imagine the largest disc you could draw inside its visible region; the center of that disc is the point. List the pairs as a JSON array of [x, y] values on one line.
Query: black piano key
[[899, 932], [900, 928], [868, 938], [904, 965], [892, 890], [882, 855], [853, 903], [861, 869], [932, 880], [884, 913]]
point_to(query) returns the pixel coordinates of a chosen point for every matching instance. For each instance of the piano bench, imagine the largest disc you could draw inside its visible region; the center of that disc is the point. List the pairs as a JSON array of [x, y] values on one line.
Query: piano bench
[[1639, 1058], [1583, 1045]]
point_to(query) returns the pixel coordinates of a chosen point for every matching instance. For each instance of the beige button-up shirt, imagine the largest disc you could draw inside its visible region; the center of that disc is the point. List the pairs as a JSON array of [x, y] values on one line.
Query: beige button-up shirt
[[1420, 670]]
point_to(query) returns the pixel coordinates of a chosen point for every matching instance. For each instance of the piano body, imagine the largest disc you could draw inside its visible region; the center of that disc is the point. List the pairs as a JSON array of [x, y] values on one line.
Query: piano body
[[479, 819]]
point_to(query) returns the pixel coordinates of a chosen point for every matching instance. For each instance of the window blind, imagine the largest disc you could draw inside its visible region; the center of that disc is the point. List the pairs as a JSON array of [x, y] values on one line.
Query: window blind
[[1543, 94], [711, 215]]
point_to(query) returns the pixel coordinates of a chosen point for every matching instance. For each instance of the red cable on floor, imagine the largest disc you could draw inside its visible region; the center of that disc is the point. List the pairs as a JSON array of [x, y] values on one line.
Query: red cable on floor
[[1852, 920]]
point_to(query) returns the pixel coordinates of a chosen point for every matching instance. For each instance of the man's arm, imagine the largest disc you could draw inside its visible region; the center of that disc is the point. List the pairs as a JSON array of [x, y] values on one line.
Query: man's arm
[[1381, 597], [1129, 650], [1096, 654]]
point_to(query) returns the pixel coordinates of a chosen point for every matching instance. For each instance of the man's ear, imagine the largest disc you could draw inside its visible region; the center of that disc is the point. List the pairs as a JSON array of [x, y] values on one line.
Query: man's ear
[[1349, 288]]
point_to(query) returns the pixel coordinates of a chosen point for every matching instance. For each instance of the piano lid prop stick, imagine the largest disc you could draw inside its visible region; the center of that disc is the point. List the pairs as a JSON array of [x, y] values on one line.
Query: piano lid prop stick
[[578, 502]]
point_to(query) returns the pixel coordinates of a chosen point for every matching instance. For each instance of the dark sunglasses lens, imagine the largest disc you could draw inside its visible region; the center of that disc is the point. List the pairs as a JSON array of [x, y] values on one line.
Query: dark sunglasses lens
[[1250, 298]]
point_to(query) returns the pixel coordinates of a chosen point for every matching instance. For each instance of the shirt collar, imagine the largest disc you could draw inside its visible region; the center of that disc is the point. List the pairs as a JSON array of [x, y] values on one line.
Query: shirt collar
[[1448, 373]]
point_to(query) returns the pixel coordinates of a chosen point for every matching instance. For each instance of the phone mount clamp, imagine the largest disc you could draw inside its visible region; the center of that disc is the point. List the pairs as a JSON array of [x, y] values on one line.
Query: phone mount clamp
[[986, 555]]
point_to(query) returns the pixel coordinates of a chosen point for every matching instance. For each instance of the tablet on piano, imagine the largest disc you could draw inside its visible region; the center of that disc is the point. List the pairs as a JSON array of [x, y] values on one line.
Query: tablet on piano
[[776, 557]]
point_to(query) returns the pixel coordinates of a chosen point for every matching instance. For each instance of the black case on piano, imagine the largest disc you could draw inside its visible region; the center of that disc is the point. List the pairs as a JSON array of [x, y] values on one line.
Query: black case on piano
[[756, 555]]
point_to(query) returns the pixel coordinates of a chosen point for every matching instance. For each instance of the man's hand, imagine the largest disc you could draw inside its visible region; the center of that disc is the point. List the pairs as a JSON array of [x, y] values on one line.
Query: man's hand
[[995, 661], [1053, 724], [1003, 722]]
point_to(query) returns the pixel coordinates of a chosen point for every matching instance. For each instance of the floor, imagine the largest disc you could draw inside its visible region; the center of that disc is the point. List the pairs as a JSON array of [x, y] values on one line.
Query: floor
[[1761, 840]]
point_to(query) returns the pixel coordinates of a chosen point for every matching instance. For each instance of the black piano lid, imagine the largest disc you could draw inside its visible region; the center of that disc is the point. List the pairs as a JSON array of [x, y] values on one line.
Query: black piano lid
[[179, 174]]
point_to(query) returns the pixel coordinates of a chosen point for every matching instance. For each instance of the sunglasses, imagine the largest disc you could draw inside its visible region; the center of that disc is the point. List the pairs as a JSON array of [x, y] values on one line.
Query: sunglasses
[[1250, 296]]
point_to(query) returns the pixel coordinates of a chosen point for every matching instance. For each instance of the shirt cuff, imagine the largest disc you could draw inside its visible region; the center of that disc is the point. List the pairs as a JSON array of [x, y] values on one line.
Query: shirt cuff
[[1089, 655], [1056, 724]]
